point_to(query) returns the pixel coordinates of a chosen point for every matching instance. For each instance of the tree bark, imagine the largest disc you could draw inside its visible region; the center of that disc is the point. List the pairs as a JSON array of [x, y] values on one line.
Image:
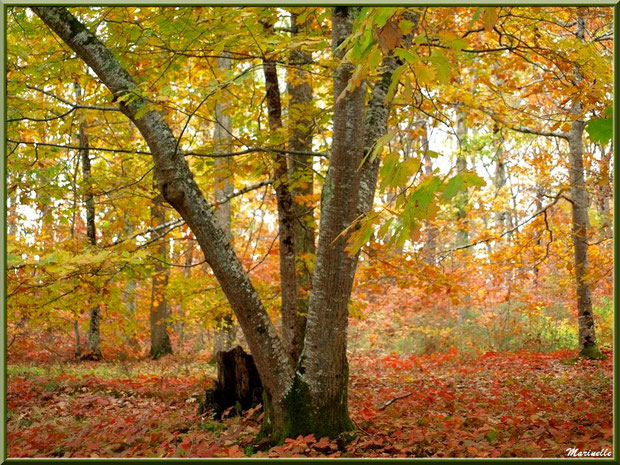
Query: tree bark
[[605, 195], [430, 245], [587, 338], [291, 326], [237, 383], [500, 182], [93, 341], [160, 340], [461, 199], [301, 176]]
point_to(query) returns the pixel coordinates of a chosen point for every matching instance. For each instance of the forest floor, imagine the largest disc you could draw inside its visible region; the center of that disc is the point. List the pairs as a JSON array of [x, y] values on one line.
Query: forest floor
[[442, 405]]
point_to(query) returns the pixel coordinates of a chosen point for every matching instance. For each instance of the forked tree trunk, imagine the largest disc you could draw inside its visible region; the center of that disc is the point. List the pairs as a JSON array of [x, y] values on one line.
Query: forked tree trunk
[[312, 396]]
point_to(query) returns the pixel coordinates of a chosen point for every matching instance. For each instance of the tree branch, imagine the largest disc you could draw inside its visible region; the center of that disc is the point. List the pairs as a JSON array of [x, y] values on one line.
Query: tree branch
[[187, 154], [511, 230]]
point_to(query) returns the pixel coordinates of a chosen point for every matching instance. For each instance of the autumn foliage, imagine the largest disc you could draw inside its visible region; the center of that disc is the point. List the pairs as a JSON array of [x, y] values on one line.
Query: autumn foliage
[[480, 321]]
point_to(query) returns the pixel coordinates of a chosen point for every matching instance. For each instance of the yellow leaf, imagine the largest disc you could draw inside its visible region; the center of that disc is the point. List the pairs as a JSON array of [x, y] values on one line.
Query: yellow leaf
[[424, 74]]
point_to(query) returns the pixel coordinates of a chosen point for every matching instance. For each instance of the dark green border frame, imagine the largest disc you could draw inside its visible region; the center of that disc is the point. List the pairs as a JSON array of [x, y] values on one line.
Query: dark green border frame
[[3, 286]]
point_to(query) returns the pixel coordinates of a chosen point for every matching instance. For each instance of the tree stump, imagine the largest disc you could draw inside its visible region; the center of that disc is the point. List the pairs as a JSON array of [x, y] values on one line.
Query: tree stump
[[238, 384]]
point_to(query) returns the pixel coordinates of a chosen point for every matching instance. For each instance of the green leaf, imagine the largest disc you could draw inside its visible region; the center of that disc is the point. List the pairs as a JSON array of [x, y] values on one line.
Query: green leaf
[[600, 130], [472, 179], [376, 149], [395, 80], [475, 17], [374, 58], [383, 14], [13, 259], [405, 26], [406, 55], [490, 18], [143, 110], [453, 187], [442, 65]]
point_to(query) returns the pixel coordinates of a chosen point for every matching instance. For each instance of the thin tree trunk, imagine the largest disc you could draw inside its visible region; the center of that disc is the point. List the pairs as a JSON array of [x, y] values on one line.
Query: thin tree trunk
[[606, 195], [462, 198], [286, 221], [93, 341], [224, 325], [430, 245], [500, 182], [11, 215], [187, 273], [129, 302], [76, 332], [587, 338], [300, 121], [160, 340]]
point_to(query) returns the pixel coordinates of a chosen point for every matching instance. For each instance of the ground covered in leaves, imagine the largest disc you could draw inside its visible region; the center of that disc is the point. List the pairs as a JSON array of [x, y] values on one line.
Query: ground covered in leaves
[[441, 405]]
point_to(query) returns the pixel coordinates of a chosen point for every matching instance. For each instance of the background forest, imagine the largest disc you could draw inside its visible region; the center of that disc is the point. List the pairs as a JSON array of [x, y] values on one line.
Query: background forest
[[480, 318]]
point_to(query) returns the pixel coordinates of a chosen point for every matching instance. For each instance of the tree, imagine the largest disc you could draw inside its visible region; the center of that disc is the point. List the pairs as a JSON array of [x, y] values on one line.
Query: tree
[[93, 341], [310, 396], [160, 340]]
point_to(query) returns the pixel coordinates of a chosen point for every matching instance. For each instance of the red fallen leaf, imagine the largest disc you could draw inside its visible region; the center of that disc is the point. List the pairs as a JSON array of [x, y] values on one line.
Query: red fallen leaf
[[367, 414], [322, 443], [235, 451]]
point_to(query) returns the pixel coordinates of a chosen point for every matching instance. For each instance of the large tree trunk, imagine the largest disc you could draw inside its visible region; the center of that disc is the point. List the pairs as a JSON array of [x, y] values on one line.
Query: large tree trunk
[[93, 341], [587, 338], [160, 340], [319, 394]]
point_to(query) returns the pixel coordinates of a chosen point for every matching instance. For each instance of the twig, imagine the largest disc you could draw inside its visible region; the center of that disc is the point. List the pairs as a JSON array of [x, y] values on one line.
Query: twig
[[394, 399]]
